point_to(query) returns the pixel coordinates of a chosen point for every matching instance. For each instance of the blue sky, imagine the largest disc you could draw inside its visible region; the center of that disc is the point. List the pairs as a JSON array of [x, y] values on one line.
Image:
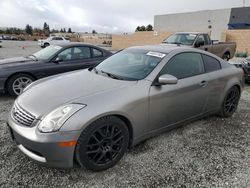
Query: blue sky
[[113, 16]]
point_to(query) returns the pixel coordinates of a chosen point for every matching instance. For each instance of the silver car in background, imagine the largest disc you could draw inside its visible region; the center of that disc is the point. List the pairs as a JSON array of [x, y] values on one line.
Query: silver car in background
[[92, 116]]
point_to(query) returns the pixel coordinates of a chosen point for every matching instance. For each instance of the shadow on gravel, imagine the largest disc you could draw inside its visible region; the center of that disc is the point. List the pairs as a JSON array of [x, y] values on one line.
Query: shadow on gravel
[[5, 96]]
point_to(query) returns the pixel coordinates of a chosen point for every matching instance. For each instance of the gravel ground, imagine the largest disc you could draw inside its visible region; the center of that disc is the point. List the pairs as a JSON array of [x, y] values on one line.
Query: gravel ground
[[212, 152], [18, 48]]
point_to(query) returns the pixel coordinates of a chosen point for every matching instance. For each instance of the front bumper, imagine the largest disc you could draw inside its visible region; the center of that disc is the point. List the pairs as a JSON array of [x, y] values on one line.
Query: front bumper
[[44, 148]]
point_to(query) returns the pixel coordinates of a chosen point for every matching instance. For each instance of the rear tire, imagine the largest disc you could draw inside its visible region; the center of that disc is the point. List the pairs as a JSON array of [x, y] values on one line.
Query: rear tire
[[17, 83], [230, 102], [102, 144], [226, 56]]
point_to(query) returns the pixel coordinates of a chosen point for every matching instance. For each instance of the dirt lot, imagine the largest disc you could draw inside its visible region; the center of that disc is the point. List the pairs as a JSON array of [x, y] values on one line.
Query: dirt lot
[[18, 48], [212, 152]]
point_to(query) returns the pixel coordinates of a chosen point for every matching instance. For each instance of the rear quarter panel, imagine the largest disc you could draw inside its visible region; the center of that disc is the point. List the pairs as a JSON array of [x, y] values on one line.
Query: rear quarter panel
[[222, 48], [232, 77]]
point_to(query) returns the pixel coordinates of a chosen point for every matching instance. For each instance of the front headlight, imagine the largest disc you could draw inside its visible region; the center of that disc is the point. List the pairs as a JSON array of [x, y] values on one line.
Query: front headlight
[[55, 119]]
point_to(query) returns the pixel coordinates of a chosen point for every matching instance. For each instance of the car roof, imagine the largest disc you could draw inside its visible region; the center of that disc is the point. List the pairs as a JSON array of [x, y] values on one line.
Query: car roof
[[72, 44], [194, 33], [163, 48]]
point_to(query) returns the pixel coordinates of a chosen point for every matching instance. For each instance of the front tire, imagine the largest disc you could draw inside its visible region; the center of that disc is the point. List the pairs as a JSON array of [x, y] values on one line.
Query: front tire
[[230, 102], [17, 83], [102, 144], [46, 45]]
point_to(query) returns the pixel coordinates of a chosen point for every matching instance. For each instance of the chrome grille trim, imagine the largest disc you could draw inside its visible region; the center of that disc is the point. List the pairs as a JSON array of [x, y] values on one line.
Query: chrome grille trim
[[21, 116]]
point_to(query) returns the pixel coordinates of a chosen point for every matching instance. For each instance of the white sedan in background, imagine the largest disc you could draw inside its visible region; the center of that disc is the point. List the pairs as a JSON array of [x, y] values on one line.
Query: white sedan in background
[[52, 41]]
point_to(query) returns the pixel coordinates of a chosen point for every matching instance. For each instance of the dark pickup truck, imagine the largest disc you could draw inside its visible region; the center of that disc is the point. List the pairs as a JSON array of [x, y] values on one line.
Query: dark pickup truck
[[225, 50]]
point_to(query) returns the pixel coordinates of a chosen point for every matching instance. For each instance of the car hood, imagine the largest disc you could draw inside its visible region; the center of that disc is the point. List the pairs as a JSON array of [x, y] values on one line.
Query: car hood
[[14, 61], [50, 93]]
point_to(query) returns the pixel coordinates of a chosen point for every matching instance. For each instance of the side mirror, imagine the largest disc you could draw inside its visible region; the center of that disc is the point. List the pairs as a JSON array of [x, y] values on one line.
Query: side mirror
[[200, 43], [58, 60], [167, 79]]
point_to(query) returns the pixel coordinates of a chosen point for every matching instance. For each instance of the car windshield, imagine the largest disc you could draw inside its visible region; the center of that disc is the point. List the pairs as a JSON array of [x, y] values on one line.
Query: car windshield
[[46, 53], [181, 38], [130, 64]]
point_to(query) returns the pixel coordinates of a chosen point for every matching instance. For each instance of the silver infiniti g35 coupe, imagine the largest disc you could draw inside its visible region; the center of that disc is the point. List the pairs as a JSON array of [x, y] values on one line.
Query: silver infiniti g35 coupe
[[92, 116]]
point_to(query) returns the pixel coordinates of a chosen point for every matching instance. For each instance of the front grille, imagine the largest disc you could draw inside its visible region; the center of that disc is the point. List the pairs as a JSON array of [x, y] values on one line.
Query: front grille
[[22, 116]]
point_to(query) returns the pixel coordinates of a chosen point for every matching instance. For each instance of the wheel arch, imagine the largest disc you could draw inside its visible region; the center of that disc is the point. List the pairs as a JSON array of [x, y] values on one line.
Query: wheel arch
[[233, 85], [14, 74], [122, 117], [228, 53], [238, 87], [129, 126]]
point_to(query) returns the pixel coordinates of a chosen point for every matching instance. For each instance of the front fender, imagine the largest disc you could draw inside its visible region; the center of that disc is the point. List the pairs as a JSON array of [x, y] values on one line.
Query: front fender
[[85, 117]]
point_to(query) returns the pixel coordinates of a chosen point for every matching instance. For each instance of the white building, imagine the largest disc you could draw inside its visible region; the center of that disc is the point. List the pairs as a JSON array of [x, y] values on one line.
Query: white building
[[210, 21]]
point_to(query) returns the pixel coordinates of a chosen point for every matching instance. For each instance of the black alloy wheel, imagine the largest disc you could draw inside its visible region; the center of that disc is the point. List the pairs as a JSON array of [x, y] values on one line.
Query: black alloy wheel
[[102, 144], [230, 103]]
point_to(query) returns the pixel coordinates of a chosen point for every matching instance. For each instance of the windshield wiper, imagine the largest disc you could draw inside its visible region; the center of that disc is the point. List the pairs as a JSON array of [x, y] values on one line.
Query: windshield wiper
[[112, 75], [34, 57]]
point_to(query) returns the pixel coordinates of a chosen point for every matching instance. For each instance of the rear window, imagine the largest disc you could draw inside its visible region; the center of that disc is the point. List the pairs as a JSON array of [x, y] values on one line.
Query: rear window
[[97, 53], [211, 64]]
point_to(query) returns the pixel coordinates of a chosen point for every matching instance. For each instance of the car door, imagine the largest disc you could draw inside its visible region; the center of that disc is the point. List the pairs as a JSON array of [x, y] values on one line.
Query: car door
[[59, 40], [207, 43], [216, 82], [53, 41], [170, 104], [74, 58]]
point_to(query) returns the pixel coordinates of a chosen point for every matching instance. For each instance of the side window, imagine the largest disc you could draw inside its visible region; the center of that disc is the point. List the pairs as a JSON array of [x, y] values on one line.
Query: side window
[[207, 40], [97, 53], [201, 38], [59, 38], [211, 64], [65, 55], [184, 65], [81, 53]]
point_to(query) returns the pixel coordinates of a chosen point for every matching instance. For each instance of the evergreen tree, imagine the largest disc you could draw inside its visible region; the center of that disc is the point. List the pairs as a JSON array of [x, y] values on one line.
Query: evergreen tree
[[69, 30], [29, 29]]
